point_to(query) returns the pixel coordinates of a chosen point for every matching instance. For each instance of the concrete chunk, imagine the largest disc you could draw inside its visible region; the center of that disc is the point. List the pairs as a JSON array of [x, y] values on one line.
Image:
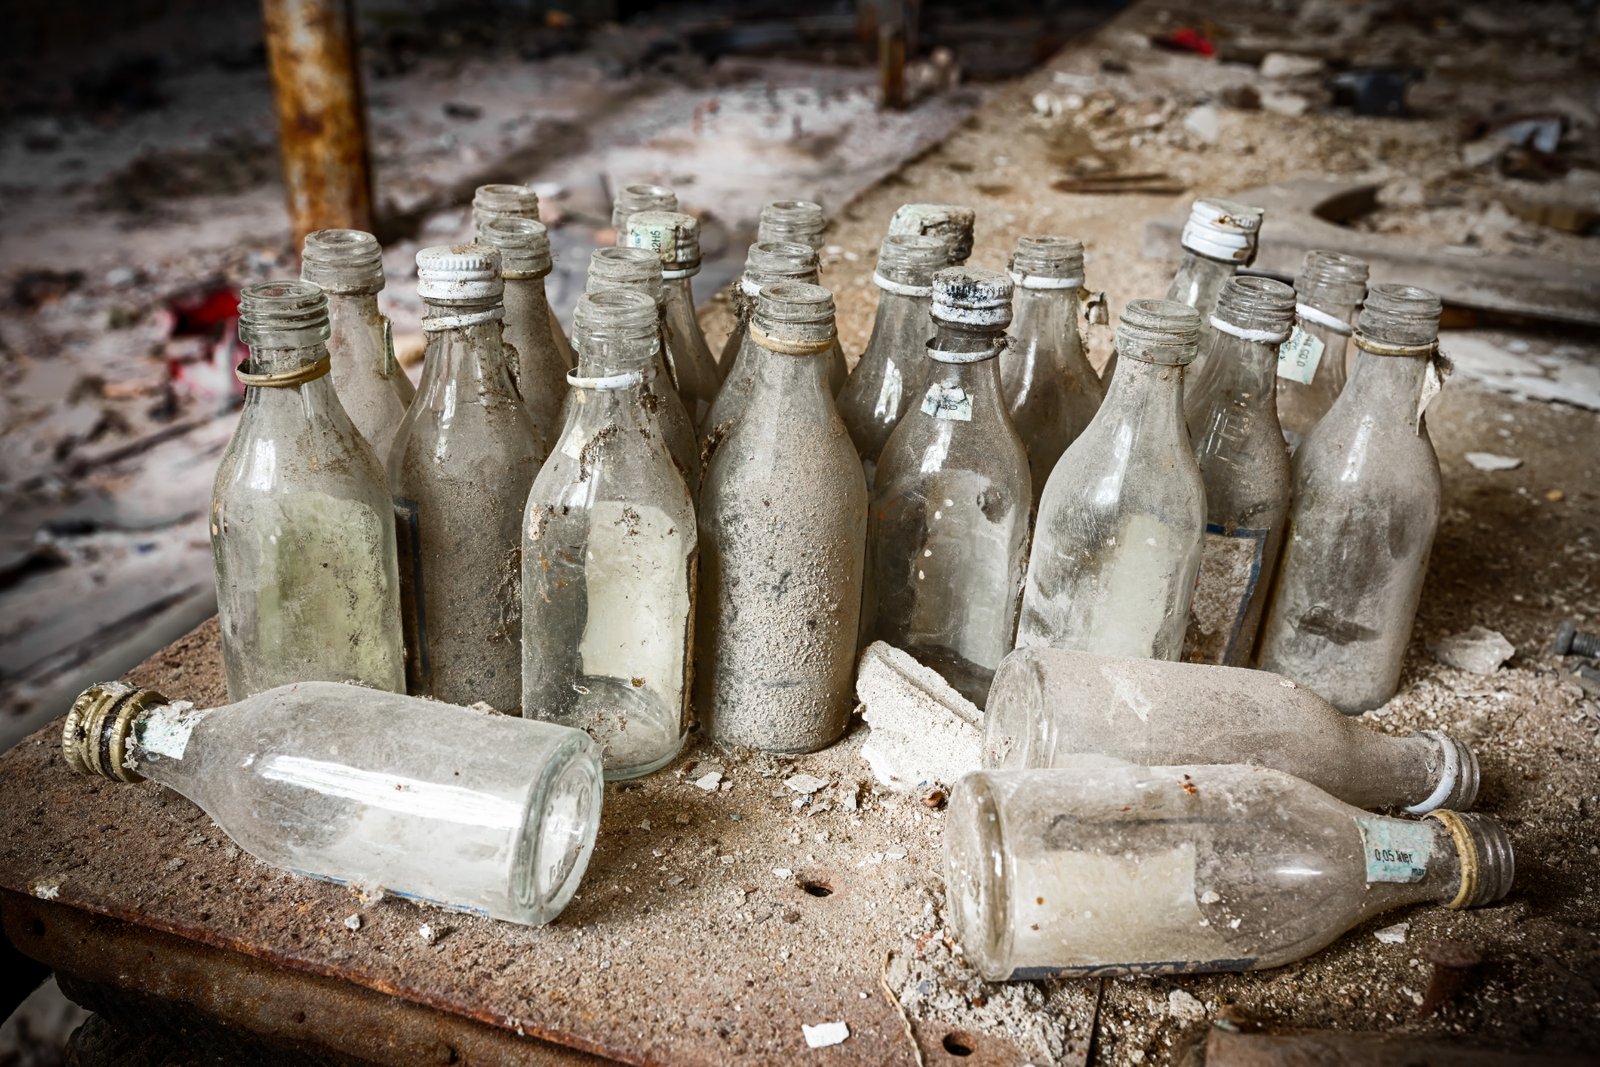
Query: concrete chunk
[[923, 731]]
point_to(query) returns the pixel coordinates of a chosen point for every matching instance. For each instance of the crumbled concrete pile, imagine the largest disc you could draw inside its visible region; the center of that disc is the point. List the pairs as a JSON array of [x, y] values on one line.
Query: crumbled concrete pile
[[1479, 650], [923, 731]]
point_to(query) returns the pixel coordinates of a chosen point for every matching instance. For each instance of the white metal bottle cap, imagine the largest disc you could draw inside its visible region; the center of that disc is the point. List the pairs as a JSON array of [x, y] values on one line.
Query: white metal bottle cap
[[972, 297], [467, 274], [1222, 229]]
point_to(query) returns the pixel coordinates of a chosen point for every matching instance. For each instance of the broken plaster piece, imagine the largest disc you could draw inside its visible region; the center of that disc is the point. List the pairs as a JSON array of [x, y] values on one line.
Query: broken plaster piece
[[825, 1035], [923, 731], [47, 892], [353, 922], [1479, 650], [806, 784], [709, 781], [1488, 461], [1392, 935], [1185, 1007]]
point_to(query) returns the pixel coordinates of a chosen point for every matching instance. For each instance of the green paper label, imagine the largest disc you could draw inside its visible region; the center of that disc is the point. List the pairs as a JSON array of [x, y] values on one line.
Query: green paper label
[[1396, 851], [1299, 355]]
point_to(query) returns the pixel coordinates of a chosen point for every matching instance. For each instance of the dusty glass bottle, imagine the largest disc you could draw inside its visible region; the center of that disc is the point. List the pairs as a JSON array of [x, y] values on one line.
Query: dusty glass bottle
[[640, 269], [609, 554], [1117, 541], [373, 389], [516, 202], [676, 239], [1121, 869], [1051, 390], [798, 222], [1366, 508], [536, 362], [1244, 463], [460, 469], [1311, 364], [767, 262], [891, 374], [783, 518], [642, 197], [301, 533], [1049, 706], [436, 803], [947, 529], [952, 222]]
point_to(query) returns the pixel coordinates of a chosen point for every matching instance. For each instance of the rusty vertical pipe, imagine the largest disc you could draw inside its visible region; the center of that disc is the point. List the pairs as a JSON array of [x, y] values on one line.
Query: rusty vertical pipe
[[322, 128]]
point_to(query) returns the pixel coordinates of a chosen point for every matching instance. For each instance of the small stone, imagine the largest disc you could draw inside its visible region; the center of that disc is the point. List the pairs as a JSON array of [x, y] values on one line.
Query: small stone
[[1185, 1007], [430, 934], [1478, 650], [47, 892], [1288, 65], [710, 781], [1291, 104], [1392, 935], [806, 783], [1205, 123], [895, 854], [175, 863], [353, 923], [782, 872], [825, 1035], [1488, 461]]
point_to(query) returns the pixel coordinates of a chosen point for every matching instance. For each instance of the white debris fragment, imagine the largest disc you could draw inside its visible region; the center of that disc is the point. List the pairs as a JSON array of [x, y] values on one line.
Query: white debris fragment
[[353, 922], [1392, 935], [1289, 65], [1488, 461], [46, 891], [806, 784], [923, 731], [1184, 1007], [825, 1035], [709, 781], [1479, 650], [1205, 123], [782, 872], [895, 854]]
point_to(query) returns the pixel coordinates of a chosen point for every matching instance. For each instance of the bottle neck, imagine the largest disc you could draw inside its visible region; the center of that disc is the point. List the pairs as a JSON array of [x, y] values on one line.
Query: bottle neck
[[1391, 845], [312, 400], [465, 362], [527, 303], [1199, 281], [163, 747], [1382, 387], [898, 317], [1143, 403], [1046, 318], [1245, 372], [788, 383], [355, 323], [612, 411]]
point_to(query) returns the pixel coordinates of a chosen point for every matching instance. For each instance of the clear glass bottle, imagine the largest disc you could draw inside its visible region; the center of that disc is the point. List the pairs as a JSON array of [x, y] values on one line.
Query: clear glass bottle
[[373, 389], [537, 365], [1121, 869], [783, 525], [301, 528], [1117, 542], [1051, 391], [1049, 706], [797, 222], [640, 269], [641, 197], [1218, 239], [952, 222], [460, 469], [947, 529], [439, 804], [1366, 508], [516, 202], [1311, 365], [609, 555], [676, 239], [1244, 463], [766, 262], [891, 374]]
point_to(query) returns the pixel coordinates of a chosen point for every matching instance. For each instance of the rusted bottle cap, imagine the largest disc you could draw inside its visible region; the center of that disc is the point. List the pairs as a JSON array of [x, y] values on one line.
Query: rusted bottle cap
[[459, 274], [1222, 229], [523, 244], [972, 297], [94, 737], [345, 262], [1159, 331], [951, 221]]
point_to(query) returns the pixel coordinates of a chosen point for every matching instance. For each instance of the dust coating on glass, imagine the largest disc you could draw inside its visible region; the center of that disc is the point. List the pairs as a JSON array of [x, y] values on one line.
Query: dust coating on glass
[[783, 517], [1116, 545], [441, 804], [766, 262], [460, 470], [1239, 446], [1311, 366], [640, 269], [676, 239], [640, 197], [1051, 391], [1123, 869], [537, 364], [515, 202], [609, 556], [373, 389], [301, 533], [891, 374], [1365, 511], [947, 530], [1049, 706], [795, 222], [952, 222]]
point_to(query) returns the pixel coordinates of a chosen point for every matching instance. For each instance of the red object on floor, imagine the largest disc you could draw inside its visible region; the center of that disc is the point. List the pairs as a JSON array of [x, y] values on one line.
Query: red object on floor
[[1188, 39], [202, 316]]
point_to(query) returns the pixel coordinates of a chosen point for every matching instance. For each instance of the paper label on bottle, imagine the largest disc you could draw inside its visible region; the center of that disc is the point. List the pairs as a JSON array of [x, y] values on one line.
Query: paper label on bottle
[[1396, 851], [660, 239], [1299, 355], [1230, 569], [166, 731], [947, 402]]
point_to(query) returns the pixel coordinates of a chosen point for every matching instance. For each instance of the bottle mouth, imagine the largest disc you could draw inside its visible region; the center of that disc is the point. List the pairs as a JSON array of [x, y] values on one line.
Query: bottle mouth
[[505, 201], [1457, 787], [911, 259], [1015, 728], [1159, 331], [344, 262], [94, 737], [1047, 258], [978, 876], [283, 314], [1252, 303], [523, 244], [559, 831], [1487, 861]]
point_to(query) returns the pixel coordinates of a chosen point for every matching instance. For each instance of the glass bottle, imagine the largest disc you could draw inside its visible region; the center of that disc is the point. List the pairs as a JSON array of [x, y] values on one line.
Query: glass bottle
[[609, 555], [516, 202], [537, 365], [1049, 706], [373, 389], [951, 222], [783, 524], [1051, 391], [1117, 541], [947, 528], [766, 262], [461, 466], [797, 222], [1176, 870], [641, 197], [1366, 508], [676, 239], [1311, 369], [892, 371], [1238, 444], [439, 804], [1218, 239], [301, 533], [640, 269]]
